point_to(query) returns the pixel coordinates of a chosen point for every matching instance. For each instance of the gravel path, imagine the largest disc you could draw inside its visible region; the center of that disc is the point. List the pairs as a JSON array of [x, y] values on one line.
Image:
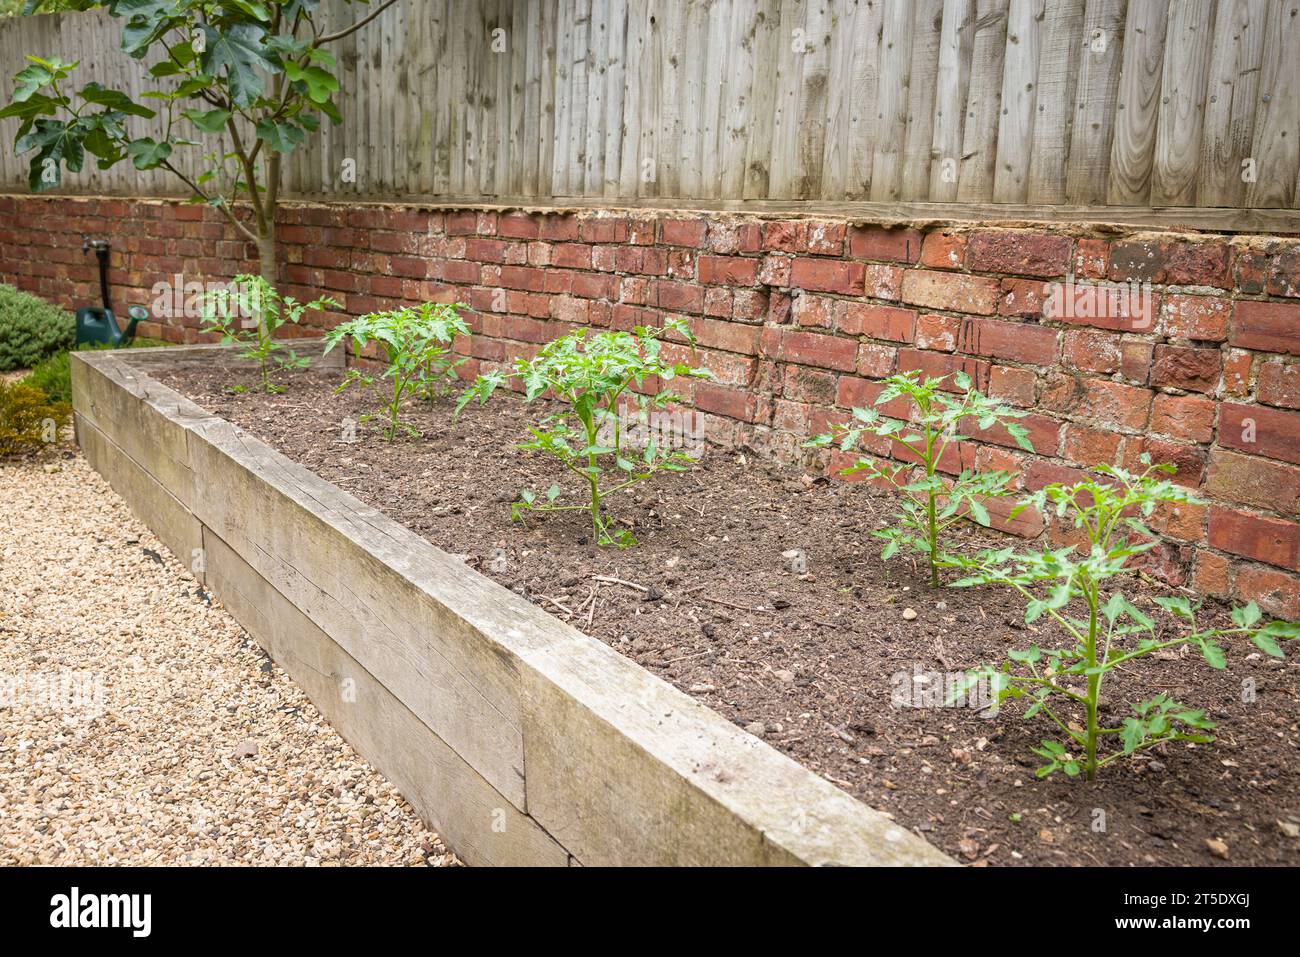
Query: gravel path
[[139, 724]]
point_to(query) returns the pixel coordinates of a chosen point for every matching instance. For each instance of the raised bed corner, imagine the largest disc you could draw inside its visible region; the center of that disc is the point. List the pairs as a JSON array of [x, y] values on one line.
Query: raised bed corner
[[521, 740]]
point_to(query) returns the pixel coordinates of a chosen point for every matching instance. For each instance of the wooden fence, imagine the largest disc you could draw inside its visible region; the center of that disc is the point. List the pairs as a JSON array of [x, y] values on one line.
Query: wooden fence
[[997, 107]]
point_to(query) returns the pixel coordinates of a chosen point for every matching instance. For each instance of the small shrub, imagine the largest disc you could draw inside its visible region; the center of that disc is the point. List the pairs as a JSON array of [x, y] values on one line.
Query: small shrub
[[250, 314], [417, 342], [1110, 632], [591, 373], [930, 504], [31, 329], [28, 419]]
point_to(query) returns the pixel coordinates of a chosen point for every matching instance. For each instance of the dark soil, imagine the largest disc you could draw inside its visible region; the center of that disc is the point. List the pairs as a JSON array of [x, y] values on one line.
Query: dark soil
[[809, 660]]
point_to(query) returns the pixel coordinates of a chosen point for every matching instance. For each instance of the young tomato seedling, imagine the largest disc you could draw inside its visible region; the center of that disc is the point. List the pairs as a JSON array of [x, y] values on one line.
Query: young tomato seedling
[[417, 341], [1109, 630], [591, 374], [249, 314], [929, 505]]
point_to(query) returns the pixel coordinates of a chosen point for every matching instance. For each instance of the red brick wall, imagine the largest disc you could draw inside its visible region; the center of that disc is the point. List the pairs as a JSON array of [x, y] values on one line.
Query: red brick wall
[[799, 317]]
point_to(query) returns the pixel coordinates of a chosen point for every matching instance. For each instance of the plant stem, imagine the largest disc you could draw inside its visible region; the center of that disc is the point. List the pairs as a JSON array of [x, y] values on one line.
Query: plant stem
[[930, 508], [1094, 682]]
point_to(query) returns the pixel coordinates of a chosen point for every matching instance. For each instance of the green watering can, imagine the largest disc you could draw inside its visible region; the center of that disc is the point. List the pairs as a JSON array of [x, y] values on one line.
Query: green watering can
[[96, 325]]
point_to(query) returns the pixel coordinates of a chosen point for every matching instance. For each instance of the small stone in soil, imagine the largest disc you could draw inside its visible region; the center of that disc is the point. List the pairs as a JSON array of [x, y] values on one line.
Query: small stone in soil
[[909, 614]]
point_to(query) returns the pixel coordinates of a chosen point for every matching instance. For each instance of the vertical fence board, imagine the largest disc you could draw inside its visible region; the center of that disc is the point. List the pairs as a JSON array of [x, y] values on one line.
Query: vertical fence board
[[1182, 103]]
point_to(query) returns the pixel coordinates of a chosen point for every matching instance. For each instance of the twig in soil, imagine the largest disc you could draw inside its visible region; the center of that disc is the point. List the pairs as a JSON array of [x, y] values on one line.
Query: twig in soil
[[720, 601], [618, 581], [698, 654], [564, 608]]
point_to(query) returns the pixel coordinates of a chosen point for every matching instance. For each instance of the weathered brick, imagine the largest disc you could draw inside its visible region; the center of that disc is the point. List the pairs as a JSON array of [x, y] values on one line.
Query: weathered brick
[[1097, 401], [1260, 431], [879, 322], [1016, 386], [809, 385], [739, 404], [950, 291], [1004, 339], [728, 270], [876, 360], [1276, 592], [1279, 383], [888, 244], [1175, 263], [729, 336], [1022, 297], [1104, 305], [1266, 326], [822, 238], [1188, 417], [683, 232], [1188, 460], [1091, 259], [1185, 367], [827, 275], [1211, 575], [1091, 351], [1251, 480], [810, 348], [937, 332], [1089, 447], [1260, 537], [944, 250], [1021, 253], [1197, 317], [883, 282], [809, 310]]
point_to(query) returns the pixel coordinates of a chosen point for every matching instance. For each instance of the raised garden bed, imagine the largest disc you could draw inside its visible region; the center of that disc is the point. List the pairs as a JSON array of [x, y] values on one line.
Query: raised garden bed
[[522, 740], [811, 661]]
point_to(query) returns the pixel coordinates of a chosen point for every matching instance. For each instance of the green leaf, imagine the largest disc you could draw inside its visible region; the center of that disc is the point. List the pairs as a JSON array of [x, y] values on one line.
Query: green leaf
[[237, 50], [1247, 616], [281, 137], [318, 83], [1214, 655], [1266, 644], [209, 121], [146, 154]]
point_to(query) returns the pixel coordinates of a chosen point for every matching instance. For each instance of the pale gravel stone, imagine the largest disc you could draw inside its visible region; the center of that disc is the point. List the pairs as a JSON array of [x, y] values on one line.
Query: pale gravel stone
[[200, 751]]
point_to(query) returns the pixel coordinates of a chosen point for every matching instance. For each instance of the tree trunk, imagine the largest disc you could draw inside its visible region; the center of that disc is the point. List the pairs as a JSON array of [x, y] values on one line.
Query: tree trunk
[[268, 265]]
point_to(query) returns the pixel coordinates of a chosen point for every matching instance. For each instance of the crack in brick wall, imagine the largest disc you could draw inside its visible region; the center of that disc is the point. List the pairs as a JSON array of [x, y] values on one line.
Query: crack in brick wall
[[800, 318]]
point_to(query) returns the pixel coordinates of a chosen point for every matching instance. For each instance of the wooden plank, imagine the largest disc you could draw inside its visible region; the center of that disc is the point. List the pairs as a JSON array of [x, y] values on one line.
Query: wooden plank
[[156, 507], [792, 38], [1064, 45], [1182, 103], [891, 120], [597, 59], [1230, 101], [1096, 102], [636, 94], [1276, 146], [956, 45], [814, 63], [713, 117], [1133, 148], [764, 96], [1020, 86], [923, 76], [476, 820], [737, 105], [616, 88], [625, 769], [983, 102]]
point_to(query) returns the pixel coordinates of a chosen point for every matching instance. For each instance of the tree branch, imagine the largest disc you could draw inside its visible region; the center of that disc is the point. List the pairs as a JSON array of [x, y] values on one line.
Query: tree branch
[[331, 37]]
